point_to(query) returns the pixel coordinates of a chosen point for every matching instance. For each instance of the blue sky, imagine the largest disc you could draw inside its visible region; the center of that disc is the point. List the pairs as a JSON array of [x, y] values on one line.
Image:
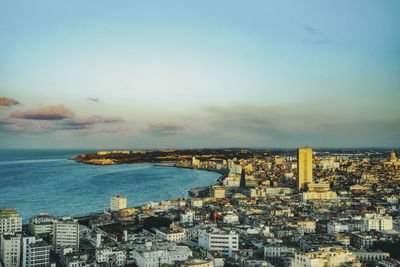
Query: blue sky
[[148, 74]]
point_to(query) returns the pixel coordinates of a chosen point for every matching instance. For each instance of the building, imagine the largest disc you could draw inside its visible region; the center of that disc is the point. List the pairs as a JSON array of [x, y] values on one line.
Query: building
[[198, 263], [155, 255], [308, 226], [218, 191], [393, 157], [112, 256], [337, 227], [243, 179], [66, 234], [377, 222], [235, 169], [195, 162], [324, 195], [35, 252], [10, 249], [117, 203], [10, 221], [230, 218], [326, 256], [171, 235], [197, 202], [219, 240], [42, 224], [304, 167], [187, 216], [313, 187]]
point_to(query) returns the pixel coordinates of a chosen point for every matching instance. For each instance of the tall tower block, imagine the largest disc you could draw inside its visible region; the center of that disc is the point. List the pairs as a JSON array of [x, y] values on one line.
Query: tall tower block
[[304, 167]]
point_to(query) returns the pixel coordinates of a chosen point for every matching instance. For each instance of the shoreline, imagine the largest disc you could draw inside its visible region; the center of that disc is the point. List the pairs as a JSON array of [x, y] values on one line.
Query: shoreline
[[192, 192]]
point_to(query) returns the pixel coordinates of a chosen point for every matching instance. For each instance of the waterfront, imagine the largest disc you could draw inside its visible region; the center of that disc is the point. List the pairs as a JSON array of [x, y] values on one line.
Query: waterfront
[[45, 180]]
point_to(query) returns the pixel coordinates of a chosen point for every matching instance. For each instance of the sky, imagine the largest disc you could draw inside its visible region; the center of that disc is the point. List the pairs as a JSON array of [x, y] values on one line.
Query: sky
[[191, 74]]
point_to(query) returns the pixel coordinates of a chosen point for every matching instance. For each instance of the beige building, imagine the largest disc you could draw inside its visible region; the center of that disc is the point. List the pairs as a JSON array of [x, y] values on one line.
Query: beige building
[[198, 263], [304, 167], [171, 235], [117, 203], [323, 195], [10, 250], [218, 191], [377, 222], [308, 226], [328, 256]]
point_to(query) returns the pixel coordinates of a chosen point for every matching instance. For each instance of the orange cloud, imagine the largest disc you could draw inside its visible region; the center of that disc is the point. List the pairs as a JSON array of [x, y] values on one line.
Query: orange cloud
[[8, 102]]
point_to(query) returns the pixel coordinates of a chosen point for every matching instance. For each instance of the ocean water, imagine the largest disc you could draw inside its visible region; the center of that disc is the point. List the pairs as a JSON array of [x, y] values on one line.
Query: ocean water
[[32, 181]]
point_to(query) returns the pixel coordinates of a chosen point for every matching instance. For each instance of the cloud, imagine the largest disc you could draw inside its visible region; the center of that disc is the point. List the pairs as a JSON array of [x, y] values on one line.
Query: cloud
[[85, 123], [93, 99], [58, 112], [163, 128], [8, 102], [6, 121]]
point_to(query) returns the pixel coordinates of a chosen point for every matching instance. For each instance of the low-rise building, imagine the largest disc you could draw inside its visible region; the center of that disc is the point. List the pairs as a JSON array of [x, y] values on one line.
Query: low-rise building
[[150, 255], [216, 239]]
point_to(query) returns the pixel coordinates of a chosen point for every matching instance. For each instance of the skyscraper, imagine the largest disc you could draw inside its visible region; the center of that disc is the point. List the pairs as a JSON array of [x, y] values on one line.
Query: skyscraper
[[243, 179], [304, 166]]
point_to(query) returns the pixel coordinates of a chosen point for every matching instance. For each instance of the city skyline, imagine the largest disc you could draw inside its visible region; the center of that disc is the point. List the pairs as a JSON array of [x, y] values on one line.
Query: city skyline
[[98, 75]]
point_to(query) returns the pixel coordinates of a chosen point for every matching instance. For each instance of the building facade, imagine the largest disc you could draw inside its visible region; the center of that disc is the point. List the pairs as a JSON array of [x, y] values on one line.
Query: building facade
[[10, 221], [35, 252], [304, 167], [117, 203], [66, 234], [215, 239], [10, 249]]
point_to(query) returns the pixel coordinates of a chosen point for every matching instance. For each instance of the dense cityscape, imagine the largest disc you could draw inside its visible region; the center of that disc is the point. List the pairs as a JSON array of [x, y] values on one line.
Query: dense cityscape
[[310, 208]]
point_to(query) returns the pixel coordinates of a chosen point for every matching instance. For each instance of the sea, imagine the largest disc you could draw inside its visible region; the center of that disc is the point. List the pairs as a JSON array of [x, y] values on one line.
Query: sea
[[32, 181]]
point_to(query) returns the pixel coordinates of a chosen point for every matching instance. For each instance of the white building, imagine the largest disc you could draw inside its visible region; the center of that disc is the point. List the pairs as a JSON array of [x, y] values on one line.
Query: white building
[[117, 203], [41, 224], [113, 256], [35, 252], [154, 255], [10, 221], [277, 251], [187, 217], [10, 249], [66, 234], [337, 227], [230, 218], [216, 239]]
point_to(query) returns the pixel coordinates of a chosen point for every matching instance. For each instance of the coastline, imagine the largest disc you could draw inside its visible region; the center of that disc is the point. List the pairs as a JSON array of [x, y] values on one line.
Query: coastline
[[193, 192]]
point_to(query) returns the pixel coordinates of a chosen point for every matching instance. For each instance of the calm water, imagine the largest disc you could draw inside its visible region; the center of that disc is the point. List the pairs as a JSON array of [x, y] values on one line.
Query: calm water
[[45, 180]]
